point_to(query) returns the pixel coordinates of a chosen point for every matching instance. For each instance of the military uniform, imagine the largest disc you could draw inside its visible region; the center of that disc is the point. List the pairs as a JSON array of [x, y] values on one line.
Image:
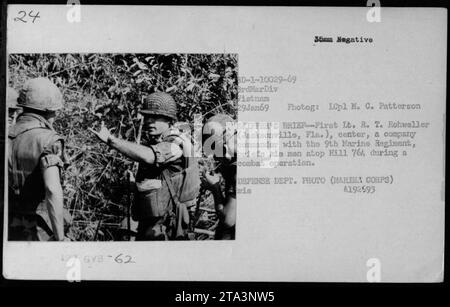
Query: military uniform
[[33, 146], [228, 169], [215, 132], [168, 187], [13, 108]]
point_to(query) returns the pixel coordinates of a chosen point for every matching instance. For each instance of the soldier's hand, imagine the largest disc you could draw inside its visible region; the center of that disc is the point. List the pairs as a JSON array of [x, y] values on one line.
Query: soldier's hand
[[103, 134]]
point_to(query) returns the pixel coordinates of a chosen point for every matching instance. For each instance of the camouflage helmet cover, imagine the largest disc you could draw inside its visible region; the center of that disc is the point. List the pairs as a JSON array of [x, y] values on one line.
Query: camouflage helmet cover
[[160, 103], [41, 94]]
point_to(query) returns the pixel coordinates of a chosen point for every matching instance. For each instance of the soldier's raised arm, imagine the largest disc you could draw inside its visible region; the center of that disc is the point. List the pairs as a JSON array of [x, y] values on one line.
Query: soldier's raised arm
[[137, 152]]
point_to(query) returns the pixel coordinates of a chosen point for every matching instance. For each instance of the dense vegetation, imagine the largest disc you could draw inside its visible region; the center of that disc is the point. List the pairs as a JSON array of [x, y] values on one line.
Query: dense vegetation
[[109, 88]]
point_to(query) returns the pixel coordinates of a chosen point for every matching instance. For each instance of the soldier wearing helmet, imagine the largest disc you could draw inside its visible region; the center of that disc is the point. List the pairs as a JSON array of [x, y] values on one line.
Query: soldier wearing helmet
[[35, 162], [167, 180], [220, 141], [13, 108]]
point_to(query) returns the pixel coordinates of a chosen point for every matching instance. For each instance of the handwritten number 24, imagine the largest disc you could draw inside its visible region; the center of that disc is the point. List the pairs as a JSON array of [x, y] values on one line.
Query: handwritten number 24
[[22, 16]]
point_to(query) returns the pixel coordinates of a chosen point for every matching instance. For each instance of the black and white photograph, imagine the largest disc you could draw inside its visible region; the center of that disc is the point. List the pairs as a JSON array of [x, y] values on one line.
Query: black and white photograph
[[121, 147], [133, 131]]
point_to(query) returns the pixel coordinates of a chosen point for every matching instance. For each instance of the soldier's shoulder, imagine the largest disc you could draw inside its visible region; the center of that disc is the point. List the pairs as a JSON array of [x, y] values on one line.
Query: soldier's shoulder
[[50, 136]]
